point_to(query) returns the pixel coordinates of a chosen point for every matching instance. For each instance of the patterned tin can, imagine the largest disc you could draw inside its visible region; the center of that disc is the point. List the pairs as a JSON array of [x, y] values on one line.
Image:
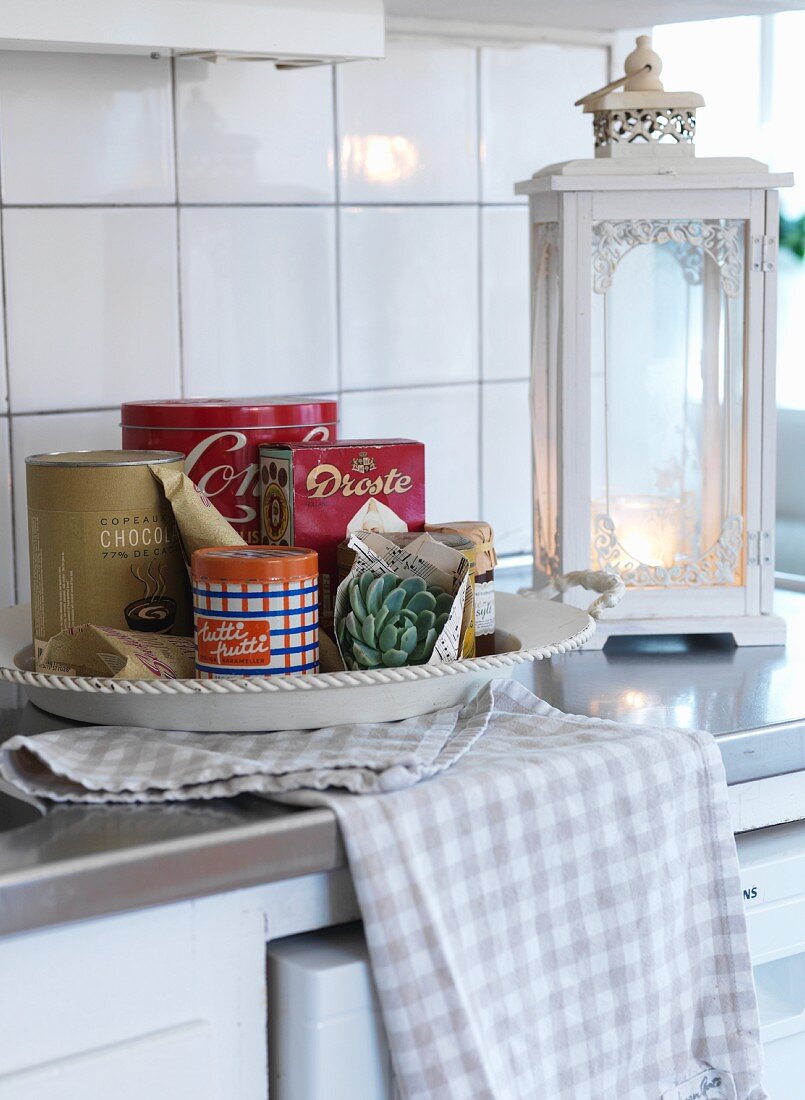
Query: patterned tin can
[[256, 611], [220, 439]]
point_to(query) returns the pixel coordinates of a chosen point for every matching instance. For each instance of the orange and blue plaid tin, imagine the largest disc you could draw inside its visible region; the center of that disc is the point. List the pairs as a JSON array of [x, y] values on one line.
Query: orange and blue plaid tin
[[255, 611]]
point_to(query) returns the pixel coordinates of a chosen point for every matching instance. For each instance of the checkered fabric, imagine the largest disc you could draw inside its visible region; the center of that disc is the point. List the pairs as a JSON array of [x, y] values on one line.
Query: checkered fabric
[[555, 915]]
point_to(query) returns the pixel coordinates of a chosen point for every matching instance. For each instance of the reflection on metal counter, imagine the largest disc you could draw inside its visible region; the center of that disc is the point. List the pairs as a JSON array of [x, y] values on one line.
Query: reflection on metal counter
[[752, 699]]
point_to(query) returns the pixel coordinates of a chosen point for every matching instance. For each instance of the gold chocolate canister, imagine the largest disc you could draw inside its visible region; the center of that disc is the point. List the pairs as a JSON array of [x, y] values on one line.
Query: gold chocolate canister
[[103, 544]]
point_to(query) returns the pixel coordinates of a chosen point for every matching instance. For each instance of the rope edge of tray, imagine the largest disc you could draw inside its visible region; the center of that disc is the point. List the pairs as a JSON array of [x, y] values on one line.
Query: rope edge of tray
[[314, 682]]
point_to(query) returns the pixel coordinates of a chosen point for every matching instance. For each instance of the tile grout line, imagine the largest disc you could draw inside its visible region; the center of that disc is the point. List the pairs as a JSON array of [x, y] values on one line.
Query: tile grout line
[[383, 204], [339, 344], [480, 290], [79, 410], [177, 208], [12, 493], [12, 488]]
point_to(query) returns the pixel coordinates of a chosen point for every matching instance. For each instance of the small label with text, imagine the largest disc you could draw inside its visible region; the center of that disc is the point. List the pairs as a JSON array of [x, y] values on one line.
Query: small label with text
[[708, 1084]]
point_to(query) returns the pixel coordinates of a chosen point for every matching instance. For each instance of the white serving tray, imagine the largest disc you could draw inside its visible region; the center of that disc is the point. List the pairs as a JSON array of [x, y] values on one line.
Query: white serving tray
[[528, 630]]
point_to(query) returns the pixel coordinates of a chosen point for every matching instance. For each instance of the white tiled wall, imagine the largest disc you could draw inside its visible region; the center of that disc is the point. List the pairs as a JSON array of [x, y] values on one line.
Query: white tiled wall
[[179, 228]]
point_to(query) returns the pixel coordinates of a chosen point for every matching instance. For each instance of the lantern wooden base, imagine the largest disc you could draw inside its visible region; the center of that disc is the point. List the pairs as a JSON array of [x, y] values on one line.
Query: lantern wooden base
[[745, 629]]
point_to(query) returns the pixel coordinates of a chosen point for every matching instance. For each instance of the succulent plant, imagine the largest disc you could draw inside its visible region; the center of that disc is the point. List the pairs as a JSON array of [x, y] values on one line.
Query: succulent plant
[[392, 621]]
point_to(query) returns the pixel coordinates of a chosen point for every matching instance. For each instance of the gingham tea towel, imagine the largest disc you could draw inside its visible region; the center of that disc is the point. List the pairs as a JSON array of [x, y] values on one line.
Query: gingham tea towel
[[555, 916]]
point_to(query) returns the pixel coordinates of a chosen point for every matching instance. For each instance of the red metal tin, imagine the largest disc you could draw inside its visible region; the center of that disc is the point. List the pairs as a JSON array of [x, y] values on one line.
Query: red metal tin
[[220, 439]]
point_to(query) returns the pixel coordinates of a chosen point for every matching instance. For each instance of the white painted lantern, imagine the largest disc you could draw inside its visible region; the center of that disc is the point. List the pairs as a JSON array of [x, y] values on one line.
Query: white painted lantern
[[653, 280]]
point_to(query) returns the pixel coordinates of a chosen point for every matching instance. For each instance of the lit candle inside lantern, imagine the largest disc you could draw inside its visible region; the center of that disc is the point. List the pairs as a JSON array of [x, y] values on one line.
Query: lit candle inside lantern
[[648, 528]]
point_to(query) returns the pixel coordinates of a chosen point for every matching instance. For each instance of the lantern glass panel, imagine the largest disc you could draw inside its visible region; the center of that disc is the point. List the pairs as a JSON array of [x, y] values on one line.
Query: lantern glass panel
[[667, 362], [544, 393]]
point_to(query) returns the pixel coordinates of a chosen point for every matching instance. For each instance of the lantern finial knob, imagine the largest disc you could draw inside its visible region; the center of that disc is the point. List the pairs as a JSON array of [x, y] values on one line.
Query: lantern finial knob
[[643, 119], [643, 67]]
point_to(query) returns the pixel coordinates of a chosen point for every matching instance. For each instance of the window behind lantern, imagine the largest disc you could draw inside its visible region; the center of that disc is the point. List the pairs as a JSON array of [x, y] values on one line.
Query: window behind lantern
[[667, 401]]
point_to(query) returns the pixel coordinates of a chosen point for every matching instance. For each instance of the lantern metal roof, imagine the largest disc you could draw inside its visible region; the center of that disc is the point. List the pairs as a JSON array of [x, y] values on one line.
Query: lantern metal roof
[[644, 139]]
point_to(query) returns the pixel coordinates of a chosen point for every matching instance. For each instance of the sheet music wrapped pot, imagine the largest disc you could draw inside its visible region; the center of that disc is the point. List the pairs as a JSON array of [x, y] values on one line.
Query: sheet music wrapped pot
[[402, 605]]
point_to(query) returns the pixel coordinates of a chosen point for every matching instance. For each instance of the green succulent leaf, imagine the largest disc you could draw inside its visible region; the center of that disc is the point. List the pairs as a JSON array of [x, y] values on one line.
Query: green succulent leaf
[[394, 658], [425, 621], [395, 600], [424, 649], [357, 601], [409, 616], [374, 596], [364, 581], [366, 655], [369, 630], [408, 639], [389, 584], [422, 601], [388, 637], [444, 601], [381, 618], [353, 626], [440, 621], [412, 585]]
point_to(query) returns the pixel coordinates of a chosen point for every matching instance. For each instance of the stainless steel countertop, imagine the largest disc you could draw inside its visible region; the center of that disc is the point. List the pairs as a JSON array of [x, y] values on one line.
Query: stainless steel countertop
[[751, 699], [75, 862]]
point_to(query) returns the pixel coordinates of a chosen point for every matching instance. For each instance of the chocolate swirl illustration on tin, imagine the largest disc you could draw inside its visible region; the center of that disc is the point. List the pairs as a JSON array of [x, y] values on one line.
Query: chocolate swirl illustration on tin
[[154, 612]]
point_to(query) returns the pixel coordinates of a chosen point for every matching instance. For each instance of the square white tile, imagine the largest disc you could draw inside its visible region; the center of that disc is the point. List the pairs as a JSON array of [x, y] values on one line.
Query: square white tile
[[86, 128], [528, 119], [409, 295], [32, 435], [505, 292], [408, 126], [92, 307], [258, 301], [7, 588], [506, 465], [252, 133], [445, 419]]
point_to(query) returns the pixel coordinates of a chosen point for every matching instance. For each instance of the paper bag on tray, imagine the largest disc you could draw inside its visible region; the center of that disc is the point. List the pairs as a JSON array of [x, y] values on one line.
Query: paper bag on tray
[[439, 566], [118, 654], [198, 521]]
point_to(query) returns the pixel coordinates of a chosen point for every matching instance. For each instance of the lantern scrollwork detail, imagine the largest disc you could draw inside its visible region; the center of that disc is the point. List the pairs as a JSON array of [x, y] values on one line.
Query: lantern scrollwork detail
[[721, 241], [717, 566]]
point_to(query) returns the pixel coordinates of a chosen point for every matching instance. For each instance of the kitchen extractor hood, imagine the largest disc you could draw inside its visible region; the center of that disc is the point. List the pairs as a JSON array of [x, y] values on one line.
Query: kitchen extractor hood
[[576, 15], [295, 32]]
